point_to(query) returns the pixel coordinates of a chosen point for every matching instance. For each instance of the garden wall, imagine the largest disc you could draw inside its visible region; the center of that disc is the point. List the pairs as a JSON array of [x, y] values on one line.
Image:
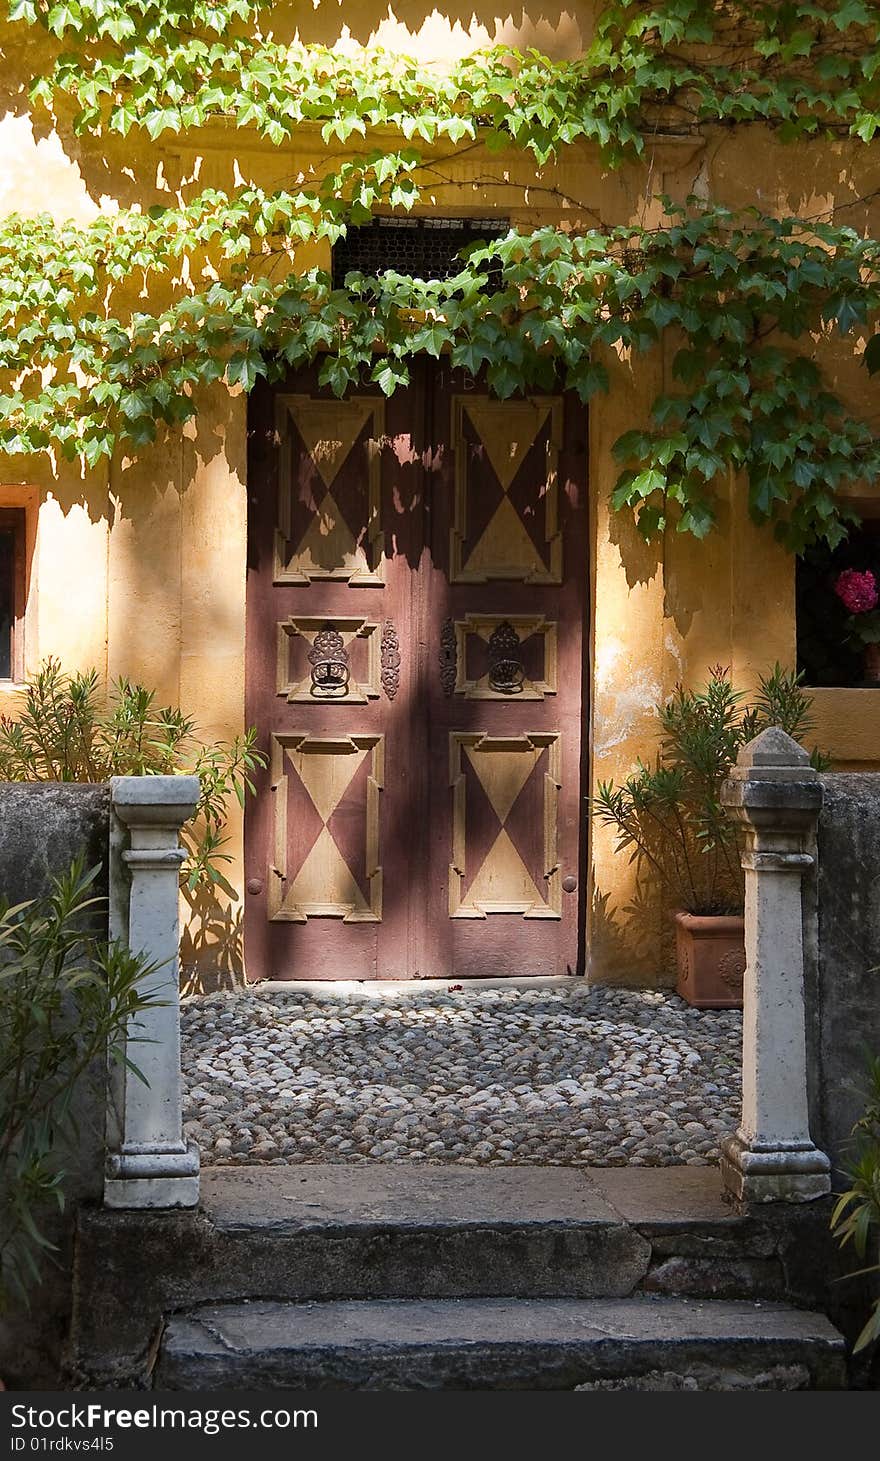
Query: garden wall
[[42, 828], [842, 907]]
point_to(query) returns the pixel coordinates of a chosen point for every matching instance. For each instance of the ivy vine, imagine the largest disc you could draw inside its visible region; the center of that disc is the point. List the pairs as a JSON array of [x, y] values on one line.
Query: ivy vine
[[82, 372], [805, 68]]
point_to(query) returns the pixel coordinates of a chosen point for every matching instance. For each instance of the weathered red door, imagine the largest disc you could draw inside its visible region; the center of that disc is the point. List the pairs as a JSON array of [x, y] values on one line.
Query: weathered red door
[[417, 585]]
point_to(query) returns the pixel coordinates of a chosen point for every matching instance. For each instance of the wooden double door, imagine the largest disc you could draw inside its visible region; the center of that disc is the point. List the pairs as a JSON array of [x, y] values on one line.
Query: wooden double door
[[417, 588]]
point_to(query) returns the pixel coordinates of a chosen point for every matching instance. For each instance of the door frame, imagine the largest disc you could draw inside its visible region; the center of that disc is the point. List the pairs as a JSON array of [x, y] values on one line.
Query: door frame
[[586, 569]]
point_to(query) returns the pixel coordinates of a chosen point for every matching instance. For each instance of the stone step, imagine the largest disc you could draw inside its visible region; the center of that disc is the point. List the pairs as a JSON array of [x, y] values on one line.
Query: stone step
[[497, 1344], [373, 1231]]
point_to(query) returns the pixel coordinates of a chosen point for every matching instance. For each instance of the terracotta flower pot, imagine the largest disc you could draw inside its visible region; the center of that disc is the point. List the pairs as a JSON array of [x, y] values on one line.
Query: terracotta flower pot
[[711, 960]]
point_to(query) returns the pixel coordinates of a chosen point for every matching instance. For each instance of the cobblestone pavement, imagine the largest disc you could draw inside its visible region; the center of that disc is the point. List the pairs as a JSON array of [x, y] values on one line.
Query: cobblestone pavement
[[560, 1074]]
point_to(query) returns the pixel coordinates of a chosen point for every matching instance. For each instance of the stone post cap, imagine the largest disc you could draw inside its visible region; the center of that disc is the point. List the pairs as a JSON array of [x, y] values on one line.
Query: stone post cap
[[773, 747], [773, 756], [154, 798]]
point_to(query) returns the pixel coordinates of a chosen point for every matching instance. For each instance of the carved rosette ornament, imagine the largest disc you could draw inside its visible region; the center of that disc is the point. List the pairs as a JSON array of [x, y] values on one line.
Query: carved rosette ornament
[[732, 968], [448, 657], [390, 655]]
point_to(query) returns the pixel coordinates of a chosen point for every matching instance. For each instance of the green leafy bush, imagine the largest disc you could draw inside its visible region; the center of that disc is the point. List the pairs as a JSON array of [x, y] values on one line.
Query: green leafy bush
[[856, 1215], [64, 733], [66, 998], [669, 816]]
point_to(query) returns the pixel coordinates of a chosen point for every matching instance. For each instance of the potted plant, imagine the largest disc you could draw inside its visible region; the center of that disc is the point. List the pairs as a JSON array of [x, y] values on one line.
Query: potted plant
[[670, 818], [859, 594]]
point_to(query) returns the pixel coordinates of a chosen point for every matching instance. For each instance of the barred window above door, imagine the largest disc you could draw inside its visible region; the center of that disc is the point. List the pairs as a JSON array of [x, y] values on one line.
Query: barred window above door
[[425, 248]]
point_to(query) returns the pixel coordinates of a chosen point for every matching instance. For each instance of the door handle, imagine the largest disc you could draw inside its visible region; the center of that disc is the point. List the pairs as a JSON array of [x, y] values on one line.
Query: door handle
[[506, 669], [329, 660]]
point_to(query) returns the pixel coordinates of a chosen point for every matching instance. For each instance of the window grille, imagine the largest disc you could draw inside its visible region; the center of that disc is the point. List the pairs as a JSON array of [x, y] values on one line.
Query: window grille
[[425, 248]]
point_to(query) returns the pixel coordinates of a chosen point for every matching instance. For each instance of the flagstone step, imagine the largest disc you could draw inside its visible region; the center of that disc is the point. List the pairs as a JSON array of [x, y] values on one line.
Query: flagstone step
[[373, 1231], [495, 1344]]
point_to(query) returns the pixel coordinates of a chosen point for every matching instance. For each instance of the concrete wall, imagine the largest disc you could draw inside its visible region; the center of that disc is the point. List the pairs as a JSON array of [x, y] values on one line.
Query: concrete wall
[[140, 569], [42, 828], [843, 964]]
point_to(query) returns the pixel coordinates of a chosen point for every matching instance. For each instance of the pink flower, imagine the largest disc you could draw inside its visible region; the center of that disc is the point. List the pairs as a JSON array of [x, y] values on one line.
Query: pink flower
[[857, 591]]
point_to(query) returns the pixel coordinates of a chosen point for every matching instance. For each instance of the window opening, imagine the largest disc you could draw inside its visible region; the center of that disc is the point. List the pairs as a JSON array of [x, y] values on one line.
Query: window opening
[[12, 550], [825, 650], [425, 248]]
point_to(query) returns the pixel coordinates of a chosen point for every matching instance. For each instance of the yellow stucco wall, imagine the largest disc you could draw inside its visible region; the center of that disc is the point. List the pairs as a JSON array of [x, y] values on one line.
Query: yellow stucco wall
[[140, 569]]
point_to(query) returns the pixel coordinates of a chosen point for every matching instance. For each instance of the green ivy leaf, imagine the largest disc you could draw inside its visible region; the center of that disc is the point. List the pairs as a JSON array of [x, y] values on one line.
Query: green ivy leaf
[[244, 370]]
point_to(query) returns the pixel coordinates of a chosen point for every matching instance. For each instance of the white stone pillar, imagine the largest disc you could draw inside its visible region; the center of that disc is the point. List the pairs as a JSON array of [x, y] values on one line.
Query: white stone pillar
[[776, 795], [148, 1162]]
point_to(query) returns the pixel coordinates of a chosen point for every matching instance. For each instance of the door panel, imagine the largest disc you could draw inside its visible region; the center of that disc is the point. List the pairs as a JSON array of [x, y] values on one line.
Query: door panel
[[504, 825], [329, 493], [508, 589], [330, 682], [326, 800], [505, 524], [416, 596]]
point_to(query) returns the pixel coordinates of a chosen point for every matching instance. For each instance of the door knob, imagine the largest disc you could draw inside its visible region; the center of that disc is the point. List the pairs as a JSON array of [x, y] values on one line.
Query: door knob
[[569, 884]]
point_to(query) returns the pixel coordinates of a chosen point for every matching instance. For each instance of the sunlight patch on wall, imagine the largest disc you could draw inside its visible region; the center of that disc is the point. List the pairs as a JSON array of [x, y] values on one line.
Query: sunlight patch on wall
[[443, 41], [39, 177]]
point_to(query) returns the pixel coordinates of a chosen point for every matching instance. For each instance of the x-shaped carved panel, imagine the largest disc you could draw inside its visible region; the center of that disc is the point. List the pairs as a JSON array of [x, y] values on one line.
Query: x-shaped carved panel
[[505, 521], [504, 840], [329, 492], [326, 861]]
